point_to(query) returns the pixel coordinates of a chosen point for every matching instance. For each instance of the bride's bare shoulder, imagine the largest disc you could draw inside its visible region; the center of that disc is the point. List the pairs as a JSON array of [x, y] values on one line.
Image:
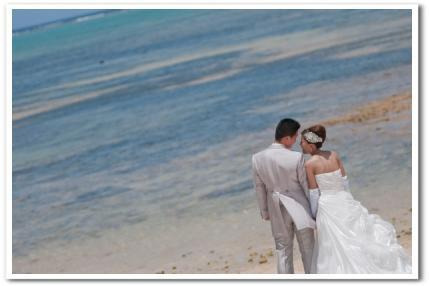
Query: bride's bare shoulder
[[335, 155]]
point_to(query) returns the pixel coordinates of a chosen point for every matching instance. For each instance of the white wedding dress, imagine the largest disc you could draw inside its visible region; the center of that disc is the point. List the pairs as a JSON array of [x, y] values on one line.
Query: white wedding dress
[[349, 239]]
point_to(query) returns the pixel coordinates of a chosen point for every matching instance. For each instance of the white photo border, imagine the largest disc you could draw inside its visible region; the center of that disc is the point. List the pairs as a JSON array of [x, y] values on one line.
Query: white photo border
[[250, 4]]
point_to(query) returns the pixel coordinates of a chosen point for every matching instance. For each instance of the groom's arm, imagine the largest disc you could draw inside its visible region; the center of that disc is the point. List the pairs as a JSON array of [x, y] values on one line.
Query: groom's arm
[[302, 176], [261, 192]]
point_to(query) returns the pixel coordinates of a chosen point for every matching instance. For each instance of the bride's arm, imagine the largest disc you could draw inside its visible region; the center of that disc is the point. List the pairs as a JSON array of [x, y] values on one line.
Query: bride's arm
[[311, 179], [313, 189], [340, 163], [343, 172]]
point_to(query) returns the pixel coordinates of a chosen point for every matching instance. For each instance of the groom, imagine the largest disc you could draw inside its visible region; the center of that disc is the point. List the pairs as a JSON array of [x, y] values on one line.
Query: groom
[[281, 188]]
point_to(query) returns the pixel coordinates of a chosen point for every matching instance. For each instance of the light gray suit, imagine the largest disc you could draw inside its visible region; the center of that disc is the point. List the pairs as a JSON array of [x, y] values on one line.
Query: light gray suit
[[278, 169]]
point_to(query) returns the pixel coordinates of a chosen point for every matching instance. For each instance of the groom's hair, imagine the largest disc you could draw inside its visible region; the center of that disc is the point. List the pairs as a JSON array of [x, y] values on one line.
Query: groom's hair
[[286, 127]]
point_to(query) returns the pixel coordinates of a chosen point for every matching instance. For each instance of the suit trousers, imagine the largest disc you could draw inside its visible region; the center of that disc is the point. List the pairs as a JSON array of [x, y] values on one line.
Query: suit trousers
[[284, 230]]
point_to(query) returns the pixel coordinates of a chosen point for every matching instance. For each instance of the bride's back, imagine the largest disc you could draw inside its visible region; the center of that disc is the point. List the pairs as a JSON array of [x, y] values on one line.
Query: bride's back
[[325, 162]]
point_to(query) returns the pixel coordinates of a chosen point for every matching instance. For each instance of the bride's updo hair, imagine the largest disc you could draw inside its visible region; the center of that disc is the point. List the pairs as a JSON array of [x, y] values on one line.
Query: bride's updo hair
[[319, 130]]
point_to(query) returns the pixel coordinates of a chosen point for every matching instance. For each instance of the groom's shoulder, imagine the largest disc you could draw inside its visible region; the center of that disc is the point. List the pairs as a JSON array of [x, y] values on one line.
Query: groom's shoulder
[[270, 152], [294, 154], [260, 154]]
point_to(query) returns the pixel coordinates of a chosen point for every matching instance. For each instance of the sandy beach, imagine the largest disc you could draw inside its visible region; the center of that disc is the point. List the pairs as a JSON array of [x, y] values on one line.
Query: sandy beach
[[249, 252], [239, 243]]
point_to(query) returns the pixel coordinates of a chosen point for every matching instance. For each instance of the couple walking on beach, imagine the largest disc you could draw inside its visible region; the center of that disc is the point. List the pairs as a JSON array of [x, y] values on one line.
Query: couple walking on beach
[[311, 199]]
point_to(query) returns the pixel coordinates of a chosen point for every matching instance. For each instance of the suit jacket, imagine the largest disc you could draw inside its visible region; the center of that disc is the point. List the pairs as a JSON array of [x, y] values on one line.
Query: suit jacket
[[278, 169]]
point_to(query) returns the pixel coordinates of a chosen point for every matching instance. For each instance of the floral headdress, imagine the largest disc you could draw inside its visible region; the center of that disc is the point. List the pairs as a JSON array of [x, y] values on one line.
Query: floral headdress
[[312, 137]]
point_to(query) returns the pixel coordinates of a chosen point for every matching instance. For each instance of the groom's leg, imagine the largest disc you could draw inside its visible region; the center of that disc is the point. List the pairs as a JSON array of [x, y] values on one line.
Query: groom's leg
[[283, 233], [305, 238]]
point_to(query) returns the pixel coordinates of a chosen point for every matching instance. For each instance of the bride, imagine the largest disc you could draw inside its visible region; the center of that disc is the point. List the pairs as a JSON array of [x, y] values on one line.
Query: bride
[[349, 239]]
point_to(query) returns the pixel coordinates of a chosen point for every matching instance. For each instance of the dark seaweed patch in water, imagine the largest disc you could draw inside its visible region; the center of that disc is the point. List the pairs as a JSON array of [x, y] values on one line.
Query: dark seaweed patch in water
[[99, 193], [237, 189]]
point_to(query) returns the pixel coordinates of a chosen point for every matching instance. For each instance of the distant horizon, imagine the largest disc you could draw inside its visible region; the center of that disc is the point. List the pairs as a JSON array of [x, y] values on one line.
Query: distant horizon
[[27, 18]]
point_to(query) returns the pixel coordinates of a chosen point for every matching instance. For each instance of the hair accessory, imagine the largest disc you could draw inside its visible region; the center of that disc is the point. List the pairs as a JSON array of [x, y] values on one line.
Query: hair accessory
[[312, 137]]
